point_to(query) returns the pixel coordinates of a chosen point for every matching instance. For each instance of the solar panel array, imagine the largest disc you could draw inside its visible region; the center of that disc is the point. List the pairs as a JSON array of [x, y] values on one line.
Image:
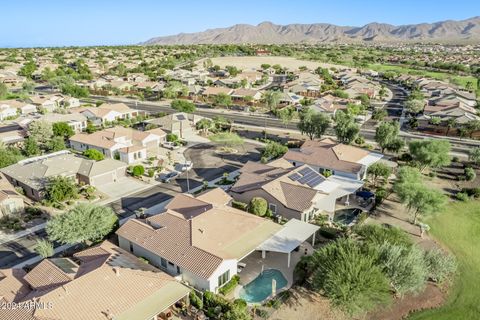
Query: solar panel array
[[307, 176]]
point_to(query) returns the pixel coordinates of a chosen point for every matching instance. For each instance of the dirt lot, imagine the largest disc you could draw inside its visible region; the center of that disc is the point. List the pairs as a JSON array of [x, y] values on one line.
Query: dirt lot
[[249, 63]]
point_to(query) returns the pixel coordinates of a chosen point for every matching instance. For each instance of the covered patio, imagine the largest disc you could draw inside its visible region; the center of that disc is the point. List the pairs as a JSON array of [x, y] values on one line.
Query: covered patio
[[289, 238], [281, 252]]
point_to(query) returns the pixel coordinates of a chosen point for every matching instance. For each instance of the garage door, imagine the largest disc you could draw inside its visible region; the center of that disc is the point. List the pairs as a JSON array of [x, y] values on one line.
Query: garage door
[[103, 179]]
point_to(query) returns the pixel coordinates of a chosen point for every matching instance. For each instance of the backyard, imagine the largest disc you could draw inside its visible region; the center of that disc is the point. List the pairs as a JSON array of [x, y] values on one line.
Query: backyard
[[458, 228]]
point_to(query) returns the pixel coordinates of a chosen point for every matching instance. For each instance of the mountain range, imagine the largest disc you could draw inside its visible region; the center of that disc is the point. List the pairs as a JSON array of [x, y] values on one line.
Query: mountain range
[[448, 31]]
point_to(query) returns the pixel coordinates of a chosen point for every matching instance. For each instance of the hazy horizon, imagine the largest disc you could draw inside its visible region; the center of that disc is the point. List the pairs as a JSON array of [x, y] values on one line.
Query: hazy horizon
[[104, 23]]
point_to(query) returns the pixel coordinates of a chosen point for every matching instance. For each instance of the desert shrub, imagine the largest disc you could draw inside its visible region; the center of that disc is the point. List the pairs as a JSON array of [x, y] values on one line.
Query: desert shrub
[[258, 206], [240, 205], [349, 277], [138, 170], [379, 234], [439, 265], [470, 174], [462, 196]]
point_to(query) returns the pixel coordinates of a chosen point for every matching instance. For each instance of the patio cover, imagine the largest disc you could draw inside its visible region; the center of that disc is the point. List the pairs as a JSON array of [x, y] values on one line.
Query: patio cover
[[345, 186], [293, 234]]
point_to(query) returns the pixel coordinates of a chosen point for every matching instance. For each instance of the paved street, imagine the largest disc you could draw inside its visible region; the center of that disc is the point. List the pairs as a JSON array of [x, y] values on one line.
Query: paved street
[[207, 165]]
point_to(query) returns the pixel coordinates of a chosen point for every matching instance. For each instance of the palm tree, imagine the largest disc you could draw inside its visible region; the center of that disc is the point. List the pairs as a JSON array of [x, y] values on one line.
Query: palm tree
[[450, 123], [272, 99]]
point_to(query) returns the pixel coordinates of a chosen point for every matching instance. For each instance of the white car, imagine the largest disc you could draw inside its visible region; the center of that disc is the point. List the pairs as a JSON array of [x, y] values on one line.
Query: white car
[[170, 145], [186, 166]]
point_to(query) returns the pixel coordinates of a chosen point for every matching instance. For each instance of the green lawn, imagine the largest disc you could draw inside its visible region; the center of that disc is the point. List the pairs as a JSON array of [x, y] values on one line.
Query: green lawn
[[459, 229], [460, 80]]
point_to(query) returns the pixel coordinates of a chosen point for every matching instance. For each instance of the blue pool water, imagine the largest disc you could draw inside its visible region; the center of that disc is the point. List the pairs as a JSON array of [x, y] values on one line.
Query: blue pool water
[[261, 287], [346, 216]]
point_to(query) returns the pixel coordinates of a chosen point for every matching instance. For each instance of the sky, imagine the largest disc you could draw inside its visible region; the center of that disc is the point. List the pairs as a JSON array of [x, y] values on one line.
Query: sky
[[32, 23]]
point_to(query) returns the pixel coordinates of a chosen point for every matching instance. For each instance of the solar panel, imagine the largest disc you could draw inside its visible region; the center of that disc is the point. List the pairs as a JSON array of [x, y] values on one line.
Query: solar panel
[[294, 176], [315, 181], [66, 265], [304, 171]]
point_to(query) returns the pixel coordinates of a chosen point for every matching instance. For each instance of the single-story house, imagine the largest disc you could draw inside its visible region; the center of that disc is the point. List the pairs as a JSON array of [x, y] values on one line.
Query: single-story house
[[22, 107], [10, 200], [102, 282], [342, 160], [32, 174], [109, 112], [198, 240], [182, 124], [130, 144]]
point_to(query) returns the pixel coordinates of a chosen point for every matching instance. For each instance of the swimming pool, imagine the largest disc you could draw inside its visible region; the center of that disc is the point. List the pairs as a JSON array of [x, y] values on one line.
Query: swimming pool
[[260, 288], [346, 216]]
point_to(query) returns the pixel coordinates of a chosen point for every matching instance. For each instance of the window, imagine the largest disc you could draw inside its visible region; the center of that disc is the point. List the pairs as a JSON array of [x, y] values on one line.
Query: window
[[272, 207], [224, 278], [163, 262], [131, 247]]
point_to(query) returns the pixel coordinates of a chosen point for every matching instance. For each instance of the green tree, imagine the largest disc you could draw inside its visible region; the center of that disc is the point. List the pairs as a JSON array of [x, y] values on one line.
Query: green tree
[[340, 94], [28, 69], [430, 153], [62, 129], [258, 206], [84, 222], [379, 170], [474, 155], [59, 189], [138, 170], [450, 123], [41, 131], [222, 100], [286, 115], [271, 99], [404, 267], [9, 156], [204, 125], [414, 106], [386, 135], [426, 201], [30, 147], [349, 277], [183, 106], [345, 127], [56, 144], [44, 248], [93, 154], [274, 150], [313, 124]]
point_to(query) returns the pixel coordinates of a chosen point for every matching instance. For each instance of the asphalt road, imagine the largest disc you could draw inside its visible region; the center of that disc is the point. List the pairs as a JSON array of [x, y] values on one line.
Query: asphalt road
[[207, 165]]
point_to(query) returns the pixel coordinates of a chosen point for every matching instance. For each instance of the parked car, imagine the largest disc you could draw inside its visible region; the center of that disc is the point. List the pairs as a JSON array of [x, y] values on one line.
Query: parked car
[[186, 166], [170, 176], [170, 145]]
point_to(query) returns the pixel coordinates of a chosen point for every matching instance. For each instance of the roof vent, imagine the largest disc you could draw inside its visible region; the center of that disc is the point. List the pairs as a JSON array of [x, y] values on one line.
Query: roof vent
[[201, 231], [117, 271]]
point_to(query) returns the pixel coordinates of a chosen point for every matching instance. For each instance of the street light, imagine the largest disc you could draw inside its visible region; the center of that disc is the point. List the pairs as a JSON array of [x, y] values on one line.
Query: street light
[[188, 182]]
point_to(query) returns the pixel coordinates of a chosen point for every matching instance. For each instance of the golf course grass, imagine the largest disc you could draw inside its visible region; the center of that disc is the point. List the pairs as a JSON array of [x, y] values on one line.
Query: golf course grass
[[458, 228]]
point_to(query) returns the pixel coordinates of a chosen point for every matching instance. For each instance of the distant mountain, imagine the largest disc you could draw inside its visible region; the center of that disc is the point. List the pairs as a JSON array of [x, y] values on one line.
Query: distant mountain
[[448, 31]]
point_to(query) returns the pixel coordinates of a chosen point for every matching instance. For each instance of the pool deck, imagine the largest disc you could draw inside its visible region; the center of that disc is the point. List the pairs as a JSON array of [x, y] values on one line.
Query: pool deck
[[273, 260]]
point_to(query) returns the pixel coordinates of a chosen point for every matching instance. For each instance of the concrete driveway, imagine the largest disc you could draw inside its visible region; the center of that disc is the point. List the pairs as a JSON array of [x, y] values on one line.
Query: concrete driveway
[[122, 187]]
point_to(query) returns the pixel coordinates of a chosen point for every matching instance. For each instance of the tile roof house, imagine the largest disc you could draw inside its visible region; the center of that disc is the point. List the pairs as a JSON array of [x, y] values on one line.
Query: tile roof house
[[100, 283], [10, 200], [182, 124], [32, 174], [22, 107], [109, 112], [199, 240], [342, 160], [128, 145]]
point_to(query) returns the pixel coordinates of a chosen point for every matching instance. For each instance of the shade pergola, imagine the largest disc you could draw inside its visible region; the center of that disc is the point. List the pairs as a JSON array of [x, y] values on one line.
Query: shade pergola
[[292, 235]]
